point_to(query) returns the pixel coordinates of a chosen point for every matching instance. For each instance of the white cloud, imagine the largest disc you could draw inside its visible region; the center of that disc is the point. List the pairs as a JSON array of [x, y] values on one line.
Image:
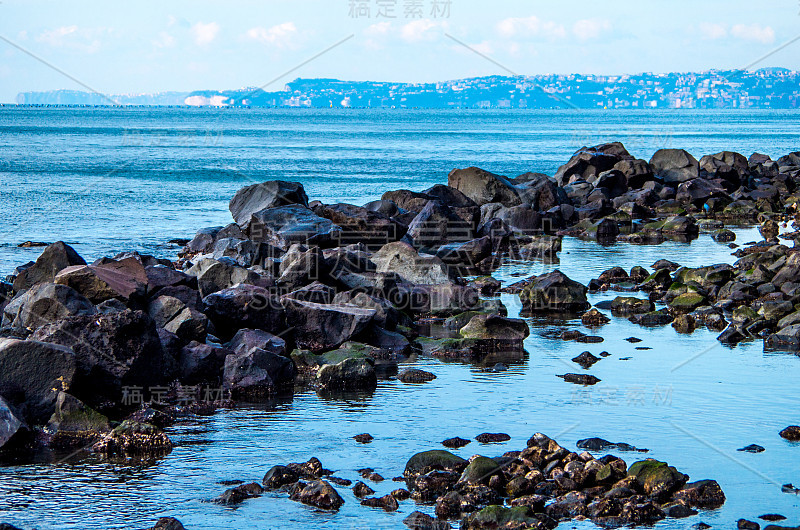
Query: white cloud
[[420, 30], [753, 32], [205, 33], [164, 40], [590, 28], [530, 26], [280, 35], [379, 29], [73, 37], [713, 31]]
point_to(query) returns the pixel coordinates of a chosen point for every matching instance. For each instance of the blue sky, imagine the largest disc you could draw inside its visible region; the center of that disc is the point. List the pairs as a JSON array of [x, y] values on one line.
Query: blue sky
[[152, 46]]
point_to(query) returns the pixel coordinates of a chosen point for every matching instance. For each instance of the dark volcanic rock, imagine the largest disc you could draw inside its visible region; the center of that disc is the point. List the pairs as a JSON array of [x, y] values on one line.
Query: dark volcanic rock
[[484, 187], [45, 303], [488, 437], [279, 476], [257, 197], [319, 494], [244, 306], [414, 375], [455, 443], [257, 372], [320, 327], [554, 292], [752, 448], [580, 379], [791, 433], [585, 359], [285, 225], [53, 259], [11, 424], [674, 165], [111, 351]]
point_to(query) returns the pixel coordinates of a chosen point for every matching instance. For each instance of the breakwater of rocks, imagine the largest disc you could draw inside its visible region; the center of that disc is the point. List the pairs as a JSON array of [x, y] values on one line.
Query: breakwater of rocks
[[296, 293]]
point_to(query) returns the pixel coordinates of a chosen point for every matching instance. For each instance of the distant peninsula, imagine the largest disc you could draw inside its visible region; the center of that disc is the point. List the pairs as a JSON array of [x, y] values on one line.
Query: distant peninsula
[[766, 88]]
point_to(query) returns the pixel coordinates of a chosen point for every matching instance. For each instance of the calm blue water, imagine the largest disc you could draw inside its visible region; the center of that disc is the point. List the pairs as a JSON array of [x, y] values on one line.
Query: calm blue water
[[112, 179], [108, 180]]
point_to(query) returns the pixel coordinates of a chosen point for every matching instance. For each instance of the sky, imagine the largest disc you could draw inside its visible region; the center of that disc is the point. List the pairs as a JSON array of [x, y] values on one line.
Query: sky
[[179, 45]]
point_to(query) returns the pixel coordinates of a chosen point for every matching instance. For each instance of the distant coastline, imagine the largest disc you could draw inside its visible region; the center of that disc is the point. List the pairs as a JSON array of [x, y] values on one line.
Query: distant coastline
[[768, 88]]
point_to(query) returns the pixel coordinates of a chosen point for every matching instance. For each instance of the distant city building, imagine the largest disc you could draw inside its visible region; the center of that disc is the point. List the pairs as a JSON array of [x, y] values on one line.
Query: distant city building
[[767, 88]]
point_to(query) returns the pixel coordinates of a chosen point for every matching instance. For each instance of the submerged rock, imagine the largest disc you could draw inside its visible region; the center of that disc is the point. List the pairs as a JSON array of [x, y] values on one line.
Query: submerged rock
[[134, 439], [319, 494], [580, 379], [791, 433], [414, 375], [554, 292], [456, 442]]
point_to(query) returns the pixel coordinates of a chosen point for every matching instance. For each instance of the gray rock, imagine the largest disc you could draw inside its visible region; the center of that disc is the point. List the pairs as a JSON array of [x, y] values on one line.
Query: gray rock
[[257, 197], [674, 165], [53, 259]]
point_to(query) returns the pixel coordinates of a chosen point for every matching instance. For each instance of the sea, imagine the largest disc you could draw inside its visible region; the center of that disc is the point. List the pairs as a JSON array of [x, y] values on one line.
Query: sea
[[107, 180]]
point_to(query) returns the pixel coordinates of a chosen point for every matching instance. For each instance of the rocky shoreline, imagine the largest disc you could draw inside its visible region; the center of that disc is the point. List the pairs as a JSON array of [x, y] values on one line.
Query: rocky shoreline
[[297, 294]]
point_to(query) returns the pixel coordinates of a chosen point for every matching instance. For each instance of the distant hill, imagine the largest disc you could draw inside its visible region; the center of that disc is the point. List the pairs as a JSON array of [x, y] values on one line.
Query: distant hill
[[769, 88]]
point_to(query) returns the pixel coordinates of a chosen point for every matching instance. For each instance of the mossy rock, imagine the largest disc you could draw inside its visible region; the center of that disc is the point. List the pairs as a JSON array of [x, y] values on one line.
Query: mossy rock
[[744, 314], [436, 459], [630, 305], [460, 320], [348, 350], [480, 470], [657, 478], [688, 301], [130, 427], [500, 517]]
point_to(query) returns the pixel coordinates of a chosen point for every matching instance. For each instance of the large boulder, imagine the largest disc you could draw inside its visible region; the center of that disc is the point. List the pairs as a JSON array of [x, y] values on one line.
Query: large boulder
[[412, 201], [698, 191], [257, 197], [217, 274], [657, 479], [484, 187], [123, 280], [45, 303], [554, 291], [360, 225], [257, 372], [286, 225], [468, 255], [437, 225], [244, 306], [53, 259], [588, 162], [349, 374], [320, 327], [32, 373], [201, 363], [111, 350], [319, 494], [301, 266], [401, 258], [175, 316], [674, 165], [495, 327], [437, 459]]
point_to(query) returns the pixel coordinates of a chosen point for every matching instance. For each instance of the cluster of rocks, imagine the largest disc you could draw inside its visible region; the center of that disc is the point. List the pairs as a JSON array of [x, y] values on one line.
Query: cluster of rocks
[[332, 296], [537, 487], [292, 293], [758, 297], [613, 195]]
